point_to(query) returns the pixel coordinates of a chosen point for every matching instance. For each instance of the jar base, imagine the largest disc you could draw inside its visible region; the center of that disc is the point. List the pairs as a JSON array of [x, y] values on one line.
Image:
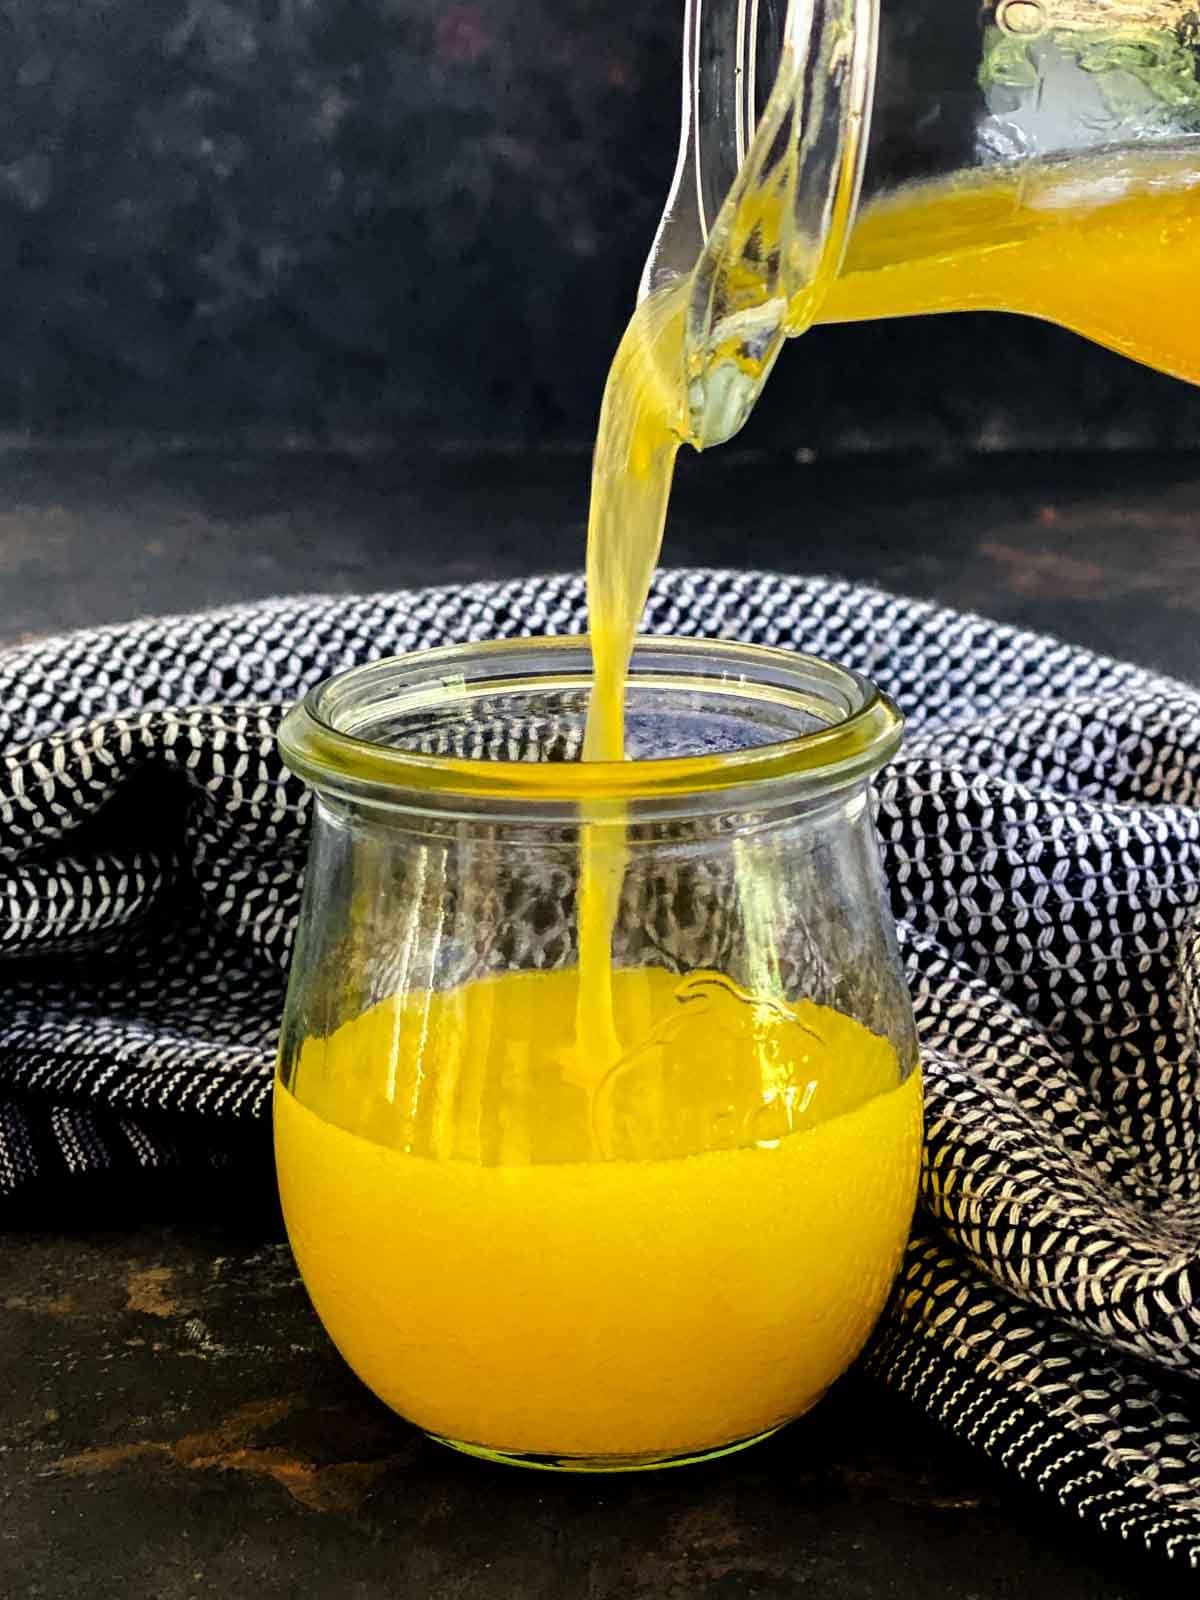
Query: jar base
[[636, 1463]]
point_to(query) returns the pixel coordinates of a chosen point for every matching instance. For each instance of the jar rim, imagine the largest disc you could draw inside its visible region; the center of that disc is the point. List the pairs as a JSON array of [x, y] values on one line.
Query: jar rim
[[333, 758]]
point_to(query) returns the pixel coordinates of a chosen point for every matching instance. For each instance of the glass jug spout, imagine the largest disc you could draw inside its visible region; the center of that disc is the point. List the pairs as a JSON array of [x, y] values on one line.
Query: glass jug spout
[[774, 108]]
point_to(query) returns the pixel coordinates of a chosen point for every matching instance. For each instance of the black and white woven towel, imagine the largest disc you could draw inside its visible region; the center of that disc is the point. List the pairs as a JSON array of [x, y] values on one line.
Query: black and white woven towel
[[1042, 832]]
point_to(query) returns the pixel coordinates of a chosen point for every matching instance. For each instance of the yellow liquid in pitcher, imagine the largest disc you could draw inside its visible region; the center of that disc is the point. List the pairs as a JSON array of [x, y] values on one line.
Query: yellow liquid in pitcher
[[1109, 247], [517, 1265]]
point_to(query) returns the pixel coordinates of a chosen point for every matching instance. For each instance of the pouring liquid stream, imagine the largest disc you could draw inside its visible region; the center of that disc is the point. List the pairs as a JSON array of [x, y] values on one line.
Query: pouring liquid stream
[[642, 422]]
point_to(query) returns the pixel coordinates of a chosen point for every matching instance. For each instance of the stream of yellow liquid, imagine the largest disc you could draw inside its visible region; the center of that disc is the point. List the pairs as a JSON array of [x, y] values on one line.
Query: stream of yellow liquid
[[643, 420]]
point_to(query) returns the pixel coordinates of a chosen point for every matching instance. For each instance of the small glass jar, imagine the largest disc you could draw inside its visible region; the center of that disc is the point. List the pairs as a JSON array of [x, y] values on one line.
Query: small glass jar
[[629, 1216]]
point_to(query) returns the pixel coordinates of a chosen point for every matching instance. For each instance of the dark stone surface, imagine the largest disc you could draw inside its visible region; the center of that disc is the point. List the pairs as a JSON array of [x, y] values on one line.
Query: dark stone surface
[[1104, 550], [383, 218], [173, 1421]]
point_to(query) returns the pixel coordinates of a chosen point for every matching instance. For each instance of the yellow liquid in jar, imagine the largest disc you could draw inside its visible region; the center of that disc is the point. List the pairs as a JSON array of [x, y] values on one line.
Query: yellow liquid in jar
[[499, 1285]]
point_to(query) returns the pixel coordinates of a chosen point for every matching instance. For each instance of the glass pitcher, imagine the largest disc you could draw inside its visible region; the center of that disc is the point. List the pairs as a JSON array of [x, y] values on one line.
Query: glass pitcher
[[850, 159]]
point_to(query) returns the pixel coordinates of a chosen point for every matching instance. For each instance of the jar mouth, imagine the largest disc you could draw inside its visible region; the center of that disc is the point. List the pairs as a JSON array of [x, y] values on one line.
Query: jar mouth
[[392, 731]]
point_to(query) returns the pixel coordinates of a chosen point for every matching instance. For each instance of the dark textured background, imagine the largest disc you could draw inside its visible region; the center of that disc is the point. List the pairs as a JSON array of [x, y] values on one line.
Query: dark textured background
[[399, 219], [318, 221]]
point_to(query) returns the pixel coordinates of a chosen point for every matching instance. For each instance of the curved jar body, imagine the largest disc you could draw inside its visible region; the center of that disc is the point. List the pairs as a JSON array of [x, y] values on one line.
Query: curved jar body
[[557, 1236]]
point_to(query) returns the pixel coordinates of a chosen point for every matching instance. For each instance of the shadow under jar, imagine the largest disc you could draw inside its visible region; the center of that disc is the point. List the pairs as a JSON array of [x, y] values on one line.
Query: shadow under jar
[[536, 1244]]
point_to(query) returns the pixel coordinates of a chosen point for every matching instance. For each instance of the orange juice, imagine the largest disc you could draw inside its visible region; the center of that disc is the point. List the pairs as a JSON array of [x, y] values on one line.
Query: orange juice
[[519, 1268]]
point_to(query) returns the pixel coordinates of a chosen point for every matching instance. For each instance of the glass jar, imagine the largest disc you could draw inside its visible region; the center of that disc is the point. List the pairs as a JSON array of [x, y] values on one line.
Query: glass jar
[[537, 1247]]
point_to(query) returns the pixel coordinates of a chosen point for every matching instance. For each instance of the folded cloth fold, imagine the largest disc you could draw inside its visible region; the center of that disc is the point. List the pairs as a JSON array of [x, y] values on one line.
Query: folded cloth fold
[[1042, 839]]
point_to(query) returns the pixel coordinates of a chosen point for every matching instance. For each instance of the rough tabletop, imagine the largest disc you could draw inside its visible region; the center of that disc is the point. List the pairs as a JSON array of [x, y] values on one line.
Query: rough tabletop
[[173, 1421]]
